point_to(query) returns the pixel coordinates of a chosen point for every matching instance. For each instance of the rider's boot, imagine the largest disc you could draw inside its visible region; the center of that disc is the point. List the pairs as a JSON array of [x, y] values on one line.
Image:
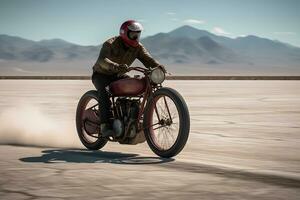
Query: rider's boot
[[106, 130]]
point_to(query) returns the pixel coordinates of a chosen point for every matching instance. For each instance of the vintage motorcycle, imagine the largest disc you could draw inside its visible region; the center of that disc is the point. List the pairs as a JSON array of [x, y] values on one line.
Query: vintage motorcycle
[[141, 110]]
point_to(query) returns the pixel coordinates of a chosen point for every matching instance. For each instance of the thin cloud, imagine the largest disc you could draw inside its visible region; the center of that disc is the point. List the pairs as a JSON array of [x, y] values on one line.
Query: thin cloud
[[193, 21], [285, 33], [220, 31], [22, 70], [170, 13]]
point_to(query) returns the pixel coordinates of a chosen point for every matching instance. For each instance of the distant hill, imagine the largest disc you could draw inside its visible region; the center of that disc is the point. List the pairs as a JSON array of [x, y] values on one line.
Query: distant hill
[[185, 50], [191, 46], [19, 49]]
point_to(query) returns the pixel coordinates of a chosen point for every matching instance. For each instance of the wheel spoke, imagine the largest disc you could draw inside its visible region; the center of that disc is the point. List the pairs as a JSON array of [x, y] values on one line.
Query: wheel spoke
[[171, 134], [160, 127], [165, 115]]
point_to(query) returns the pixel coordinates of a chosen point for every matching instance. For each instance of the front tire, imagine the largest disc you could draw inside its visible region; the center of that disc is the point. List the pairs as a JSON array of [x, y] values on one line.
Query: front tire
[[91, 142], [161, 123]]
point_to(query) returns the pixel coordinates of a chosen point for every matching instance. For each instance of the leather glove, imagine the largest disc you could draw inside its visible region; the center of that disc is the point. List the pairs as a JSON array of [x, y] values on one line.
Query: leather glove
[[163, 68], [123, 68]]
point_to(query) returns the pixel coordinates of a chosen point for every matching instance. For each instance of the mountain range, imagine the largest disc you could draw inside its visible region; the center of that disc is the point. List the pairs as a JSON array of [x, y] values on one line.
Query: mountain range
[[184, 51]]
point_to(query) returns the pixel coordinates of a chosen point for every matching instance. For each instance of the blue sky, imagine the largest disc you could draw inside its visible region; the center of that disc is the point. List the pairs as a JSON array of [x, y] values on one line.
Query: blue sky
[[89, 22]]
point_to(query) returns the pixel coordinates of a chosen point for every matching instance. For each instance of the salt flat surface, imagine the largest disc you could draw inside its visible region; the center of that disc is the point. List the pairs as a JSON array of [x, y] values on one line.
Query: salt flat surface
[[244, 143]]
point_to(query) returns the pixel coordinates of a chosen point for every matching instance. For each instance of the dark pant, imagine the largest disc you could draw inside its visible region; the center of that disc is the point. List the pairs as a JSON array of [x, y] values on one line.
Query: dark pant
[[101, 81]]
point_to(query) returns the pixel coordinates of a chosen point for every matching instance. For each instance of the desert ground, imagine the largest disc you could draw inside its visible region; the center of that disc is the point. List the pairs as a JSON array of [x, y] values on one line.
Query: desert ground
[[244, 144]]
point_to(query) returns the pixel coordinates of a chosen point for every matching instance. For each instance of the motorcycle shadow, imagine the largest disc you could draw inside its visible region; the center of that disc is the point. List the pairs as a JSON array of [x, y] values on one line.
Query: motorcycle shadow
[[87, 156]]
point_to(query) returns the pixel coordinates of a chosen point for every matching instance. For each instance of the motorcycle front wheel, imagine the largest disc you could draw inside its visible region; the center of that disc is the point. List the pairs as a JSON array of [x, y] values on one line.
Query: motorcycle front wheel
[[166, 122], [87, 121]]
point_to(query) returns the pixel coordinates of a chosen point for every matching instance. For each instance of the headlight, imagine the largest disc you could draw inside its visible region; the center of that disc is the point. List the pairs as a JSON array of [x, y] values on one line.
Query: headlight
[[157, 75]]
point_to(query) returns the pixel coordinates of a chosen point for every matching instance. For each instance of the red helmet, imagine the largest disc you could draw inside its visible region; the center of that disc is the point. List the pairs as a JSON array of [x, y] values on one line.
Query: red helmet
[[130, 32]]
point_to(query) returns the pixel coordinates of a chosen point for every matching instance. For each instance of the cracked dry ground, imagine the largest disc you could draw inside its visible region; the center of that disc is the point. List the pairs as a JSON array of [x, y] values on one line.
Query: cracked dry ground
[[244, 144], [76, 174]]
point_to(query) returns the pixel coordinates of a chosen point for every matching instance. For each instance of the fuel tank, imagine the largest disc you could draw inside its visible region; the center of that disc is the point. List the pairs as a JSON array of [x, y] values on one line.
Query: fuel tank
[[128, 87]]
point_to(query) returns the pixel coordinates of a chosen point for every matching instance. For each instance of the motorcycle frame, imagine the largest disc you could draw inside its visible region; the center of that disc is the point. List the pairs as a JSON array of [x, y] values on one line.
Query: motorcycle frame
[[149, 90], [146, 95]]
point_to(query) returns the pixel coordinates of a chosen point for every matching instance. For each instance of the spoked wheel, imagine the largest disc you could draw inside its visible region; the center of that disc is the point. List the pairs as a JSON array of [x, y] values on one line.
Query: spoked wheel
[[166, 123], [88, 121]]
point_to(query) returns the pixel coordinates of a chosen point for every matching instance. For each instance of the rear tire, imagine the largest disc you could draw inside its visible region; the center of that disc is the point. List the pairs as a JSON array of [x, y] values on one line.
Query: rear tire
[[184, 123], [83, 102]]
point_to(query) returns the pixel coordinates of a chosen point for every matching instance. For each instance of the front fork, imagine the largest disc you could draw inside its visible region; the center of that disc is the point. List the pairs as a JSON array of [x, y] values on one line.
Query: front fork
[[162, 122]]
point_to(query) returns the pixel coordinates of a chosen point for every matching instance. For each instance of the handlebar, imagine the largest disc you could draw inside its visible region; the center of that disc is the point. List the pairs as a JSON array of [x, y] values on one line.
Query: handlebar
[[142, 70], [139, 69]]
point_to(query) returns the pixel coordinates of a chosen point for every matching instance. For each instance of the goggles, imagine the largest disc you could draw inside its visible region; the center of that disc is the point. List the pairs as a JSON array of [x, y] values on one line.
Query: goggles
[[134, 35]]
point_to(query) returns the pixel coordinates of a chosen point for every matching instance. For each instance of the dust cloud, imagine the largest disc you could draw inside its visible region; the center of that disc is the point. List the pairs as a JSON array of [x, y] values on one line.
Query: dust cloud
[[27, 125]]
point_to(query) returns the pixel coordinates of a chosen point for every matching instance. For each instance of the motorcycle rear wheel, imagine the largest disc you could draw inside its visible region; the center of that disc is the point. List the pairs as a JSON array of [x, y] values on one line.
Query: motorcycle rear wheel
[[88, 100], [166, 114]]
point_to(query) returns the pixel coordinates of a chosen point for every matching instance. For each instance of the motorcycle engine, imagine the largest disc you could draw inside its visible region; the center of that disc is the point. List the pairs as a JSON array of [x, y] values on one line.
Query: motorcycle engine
[[128, 110]]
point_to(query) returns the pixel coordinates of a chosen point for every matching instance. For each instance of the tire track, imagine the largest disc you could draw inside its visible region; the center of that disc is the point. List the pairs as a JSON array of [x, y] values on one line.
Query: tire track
[[273, 178]]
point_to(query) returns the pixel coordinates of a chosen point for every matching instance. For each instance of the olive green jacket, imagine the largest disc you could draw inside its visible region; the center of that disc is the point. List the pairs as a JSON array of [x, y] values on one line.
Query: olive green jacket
[[114, 52]]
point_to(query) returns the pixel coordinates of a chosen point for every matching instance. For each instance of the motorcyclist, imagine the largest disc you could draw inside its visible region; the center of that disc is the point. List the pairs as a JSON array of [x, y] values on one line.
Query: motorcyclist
[[116, 54]]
